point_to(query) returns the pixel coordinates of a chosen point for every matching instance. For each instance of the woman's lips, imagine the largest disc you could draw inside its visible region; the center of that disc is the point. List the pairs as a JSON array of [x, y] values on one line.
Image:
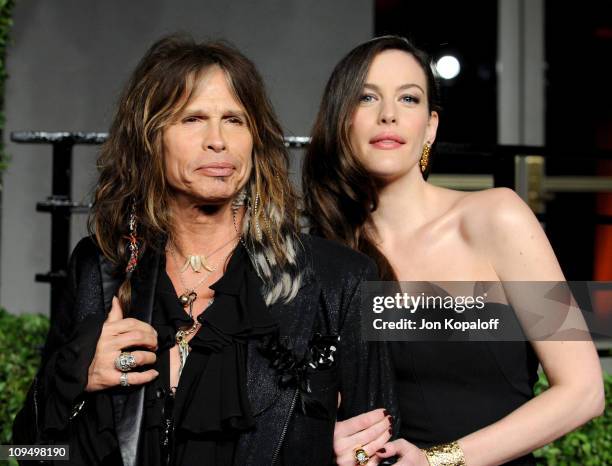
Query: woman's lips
[[387, 141], [386, 144], [217, 169]]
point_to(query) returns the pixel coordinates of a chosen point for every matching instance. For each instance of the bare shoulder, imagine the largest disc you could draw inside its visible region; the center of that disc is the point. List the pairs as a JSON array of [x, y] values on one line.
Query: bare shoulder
[[495, 200], [500, 226], [490, 212]]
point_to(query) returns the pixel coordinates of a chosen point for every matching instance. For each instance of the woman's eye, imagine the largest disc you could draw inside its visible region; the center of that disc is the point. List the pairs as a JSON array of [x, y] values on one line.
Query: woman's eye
[[366, 98], [410, 99]]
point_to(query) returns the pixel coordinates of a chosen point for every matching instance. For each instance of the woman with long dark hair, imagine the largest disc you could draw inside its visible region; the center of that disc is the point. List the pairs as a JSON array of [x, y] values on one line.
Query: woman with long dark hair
[[199, 326], [365, 186]]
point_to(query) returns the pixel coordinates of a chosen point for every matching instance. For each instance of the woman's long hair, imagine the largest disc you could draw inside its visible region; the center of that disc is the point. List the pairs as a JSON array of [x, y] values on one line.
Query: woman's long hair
[[339, 194], [131, 162]]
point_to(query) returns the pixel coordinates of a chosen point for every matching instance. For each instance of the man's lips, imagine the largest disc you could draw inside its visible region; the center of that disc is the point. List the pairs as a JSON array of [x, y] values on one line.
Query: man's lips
[[387, 141], [217, 169]]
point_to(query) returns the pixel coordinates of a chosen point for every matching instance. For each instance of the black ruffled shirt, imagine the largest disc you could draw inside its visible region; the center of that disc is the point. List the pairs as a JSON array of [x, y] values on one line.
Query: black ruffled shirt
[[202, 421]]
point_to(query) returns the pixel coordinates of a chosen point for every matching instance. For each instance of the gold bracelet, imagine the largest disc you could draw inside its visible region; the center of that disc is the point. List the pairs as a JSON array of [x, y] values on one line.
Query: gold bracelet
[[449, 454]]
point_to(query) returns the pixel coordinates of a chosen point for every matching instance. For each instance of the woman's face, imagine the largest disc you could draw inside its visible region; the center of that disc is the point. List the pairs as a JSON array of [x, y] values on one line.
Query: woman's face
[[392, 121], [208, 148]]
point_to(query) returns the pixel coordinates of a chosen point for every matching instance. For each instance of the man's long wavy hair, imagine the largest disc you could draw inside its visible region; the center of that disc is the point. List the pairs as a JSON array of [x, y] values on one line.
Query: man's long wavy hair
[[339, 194], [131, 163]]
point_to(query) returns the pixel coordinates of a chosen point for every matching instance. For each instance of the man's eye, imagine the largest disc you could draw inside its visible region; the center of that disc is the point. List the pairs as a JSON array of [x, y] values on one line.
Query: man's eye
[[190, 119]]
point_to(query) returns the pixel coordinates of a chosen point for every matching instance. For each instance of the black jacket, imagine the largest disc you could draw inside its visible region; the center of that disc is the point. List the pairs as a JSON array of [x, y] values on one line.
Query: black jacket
[[331, 287]]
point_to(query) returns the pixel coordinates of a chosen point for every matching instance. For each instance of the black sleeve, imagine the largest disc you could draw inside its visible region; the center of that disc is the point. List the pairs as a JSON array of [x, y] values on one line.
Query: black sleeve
[[69, 349], [367, 378]]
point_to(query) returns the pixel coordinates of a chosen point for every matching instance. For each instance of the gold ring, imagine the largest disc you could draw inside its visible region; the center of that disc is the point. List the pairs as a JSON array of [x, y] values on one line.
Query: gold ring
[[361, 457]]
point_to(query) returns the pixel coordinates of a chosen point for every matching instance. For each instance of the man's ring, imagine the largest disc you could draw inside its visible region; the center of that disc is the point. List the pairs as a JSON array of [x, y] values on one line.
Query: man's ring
[[125, 362], [123, 379], [361, 456]]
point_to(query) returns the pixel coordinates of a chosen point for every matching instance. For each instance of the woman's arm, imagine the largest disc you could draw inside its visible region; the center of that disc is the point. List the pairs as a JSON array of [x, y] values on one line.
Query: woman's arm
[[519, 250], [511, 238]]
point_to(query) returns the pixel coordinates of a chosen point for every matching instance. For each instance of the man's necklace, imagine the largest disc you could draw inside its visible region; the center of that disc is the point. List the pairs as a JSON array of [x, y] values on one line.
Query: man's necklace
[[181, 337], [187, 298], [199, 262]]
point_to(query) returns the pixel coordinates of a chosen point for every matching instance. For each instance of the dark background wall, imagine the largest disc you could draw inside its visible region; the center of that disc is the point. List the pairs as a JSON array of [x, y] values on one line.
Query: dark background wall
[[450, 28], [69, 58]]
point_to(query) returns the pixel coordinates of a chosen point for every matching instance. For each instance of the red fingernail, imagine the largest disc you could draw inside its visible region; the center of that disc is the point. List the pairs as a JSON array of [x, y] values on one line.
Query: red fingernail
[[385, 413], [391, 430], [382, 450]]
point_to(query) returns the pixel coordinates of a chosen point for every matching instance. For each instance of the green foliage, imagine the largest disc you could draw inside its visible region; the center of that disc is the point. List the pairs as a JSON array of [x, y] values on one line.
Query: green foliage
[[21, 339], [590, 445]]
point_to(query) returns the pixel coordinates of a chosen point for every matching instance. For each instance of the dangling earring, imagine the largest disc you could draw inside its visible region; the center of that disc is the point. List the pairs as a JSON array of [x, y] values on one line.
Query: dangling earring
[[133, 239], [258, 234], [254, 212], [425, 157], [240, 199]]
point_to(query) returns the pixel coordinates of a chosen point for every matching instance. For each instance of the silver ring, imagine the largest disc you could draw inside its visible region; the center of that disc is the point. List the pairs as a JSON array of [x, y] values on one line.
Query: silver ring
[[125, 362], [123, 379]]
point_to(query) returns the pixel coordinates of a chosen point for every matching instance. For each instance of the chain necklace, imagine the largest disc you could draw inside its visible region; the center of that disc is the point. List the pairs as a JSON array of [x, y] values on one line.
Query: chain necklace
[[199, 262], [187, 298], [181, 337]]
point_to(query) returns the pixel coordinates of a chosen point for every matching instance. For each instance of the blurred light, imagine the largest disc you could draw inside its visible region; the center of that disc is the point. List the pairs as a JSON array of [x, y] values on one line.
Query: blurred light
[[448, 67]]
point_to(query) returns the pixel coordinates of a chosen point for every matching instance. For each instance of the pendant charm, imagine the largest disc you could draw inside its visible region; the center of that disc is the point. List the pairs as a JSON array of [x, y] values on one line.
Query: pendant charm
[[188, 298], [183, 349], [197, 263]]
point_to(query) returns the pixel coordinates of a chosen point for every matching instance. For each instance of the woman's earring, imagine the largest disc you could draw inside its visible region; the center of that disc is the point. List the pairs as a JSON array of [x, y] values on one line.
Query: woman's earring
[[133, 242], [425, 157]]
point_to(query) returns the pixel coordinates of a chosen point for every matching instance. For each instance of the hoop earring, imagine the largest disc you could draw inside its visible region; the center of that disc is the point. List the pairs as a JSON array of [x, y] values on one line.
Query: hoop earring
[[133, 241], [424, 161]]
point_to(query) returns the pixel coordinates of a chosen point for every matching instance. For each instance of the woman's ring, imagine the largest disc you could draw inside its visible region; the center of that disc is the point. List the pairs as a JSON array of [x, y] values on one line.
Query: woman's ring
[[125, 362], [361, 456], [123, 379]]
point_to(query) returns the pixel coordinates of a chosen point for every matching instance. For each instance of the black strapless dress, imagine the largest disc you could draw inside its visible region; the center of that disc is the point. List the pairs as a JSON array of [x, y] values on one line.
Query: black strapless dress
[[450, 389]]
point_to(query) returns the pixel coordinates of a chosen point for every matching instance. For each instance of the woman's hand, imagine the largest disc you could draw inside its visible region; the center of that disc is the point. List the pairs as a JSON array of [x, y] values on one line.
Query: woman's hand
[[368, 431], [409, 454], [117, 334]]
